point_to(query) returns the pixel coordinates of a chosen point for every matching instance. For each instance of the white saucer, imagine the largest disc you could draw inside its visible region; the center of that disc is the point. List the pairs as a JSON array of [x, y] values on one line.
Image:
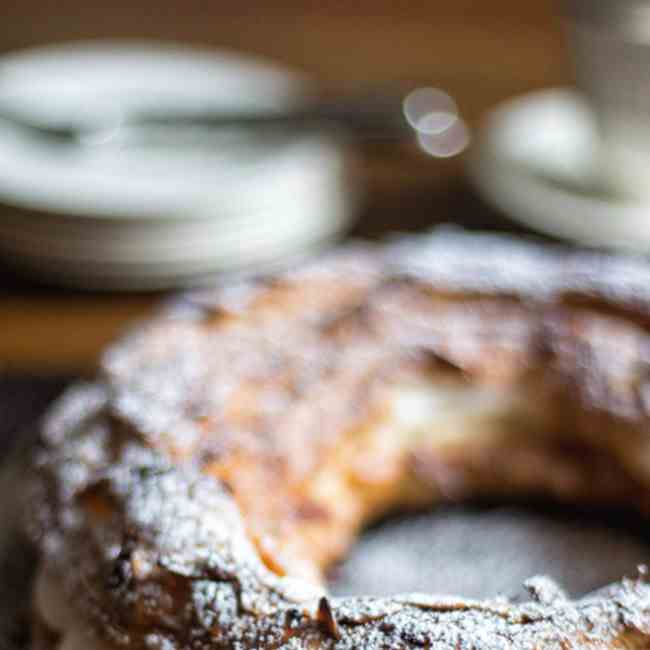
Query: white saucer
[[161, 215], [536, 160]]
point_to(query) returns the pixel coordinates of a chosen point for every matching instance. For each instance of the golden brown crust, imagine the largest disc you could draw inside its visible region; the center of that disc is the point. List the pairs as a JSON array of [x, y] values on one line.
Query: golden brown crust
[[231, 448]]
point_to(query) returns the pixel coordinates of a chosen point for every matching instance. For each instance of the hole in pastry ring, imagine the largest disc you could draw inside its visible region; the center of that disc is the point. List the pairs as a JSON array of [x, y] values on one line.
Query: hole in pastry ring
[[232, 448]]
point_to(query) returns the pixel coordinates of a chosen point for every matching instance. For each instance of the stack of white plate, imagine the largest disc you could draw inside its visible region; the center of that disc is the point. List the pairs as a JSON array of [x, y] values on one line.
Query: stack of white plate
[[167, 213]]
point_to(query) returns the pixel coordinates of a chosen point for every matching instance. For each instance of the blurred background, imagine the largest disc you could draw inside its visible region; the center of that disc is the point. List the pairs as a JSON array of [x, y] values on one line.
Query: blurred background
[[480, 53]]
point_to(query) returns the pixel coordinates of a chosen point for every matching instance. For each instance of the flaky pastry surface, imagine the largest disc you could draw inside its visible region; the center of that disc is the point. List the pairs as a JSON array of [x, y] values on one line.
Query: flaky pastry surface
[[192, 496]]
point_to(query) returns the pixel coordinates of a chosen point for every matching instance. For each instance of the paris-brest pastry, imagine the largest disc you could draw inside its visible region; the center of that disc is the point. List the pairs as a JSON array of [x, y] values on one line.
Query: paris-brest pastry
[[192, 496]]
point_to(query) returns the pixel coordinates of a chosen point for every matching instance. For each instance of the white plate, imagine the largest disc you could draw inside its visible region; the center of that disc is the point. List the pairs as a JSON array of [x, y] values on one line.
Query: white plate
[[146, 215], [262, 254], [536, 159]]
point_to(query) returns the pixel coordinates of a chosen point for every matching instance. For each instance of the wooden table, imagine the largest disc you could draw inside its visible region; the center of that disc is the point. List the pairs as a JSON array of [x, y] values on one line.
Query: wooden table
[[480, 52]]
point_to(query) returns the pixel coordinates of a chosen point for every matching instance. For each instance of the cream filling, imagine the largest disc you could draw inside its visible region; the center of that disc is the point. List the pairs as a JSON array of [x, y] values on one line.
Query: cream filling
[[435, 417], [451, 413], [53, 608]]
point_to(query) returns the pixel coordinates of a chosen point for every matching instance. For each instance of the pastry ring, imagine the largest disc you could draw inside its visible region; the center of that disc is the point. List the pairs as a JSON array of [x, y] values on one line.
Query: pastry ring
[[192, 495]]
